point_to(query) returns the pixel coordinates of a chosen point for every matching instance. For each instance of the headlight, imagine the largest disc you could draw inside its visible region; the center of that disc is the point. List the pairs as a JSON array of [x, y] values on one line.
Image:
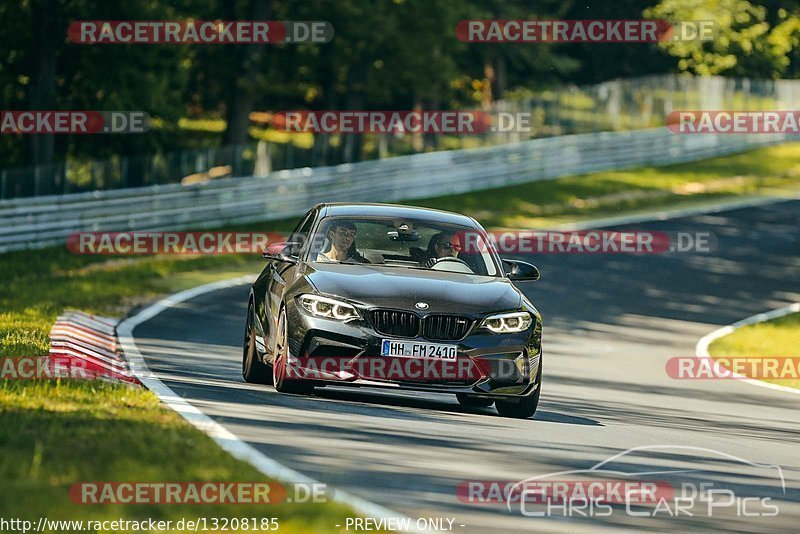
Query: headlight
[[504, 323], [328, 308]]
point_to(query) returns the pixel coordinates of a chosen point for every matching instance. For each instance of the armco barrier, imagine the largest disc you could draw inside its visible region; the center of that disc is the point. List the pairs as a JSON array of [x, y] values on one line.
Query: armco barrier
[[45, 221]]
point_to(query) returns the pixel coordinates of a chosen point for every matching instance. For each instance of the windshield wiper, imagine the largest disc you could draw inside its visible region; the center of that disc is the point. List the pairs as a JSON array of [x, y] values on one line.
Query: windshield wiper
[[402, 266]]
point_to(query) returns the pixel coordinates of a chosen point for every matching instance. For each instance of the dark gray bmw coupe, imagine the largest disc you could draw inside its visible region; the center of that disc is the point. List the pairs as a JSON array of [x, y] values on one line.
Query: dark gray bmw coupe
[[393, 296]]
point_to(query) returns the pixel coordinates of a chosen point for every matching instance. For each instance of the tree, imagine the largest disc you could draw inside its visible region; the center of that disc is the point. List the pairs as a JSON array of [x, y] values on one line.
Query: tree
[[244, 84], [746, 42]]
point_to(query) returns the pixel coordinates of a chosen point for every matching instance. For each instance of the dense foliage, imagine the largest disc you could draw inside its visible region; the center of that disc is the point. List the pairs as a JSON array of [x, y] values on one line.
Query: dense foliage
[[388, 54]]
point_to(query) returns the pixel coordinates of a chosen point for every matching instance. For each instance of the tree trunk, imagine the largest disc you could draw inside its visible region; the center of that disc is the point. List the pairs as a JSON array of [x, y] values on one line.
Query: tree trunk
[[242, 88], [355, 100], [500, 78], [42, 91], [322, 141]]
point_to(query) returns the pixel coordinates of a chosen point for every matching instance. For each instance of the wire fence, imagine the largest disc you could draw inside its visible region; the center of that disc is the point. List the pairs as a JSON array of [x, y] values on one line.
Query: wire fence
[[628, 104]]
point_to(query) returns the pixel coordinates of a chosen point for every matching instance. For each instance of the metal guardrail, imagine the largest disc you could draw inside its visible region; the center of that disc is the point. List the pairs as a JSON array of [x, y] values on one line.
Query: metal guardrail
[[48, 220], [615, 105]]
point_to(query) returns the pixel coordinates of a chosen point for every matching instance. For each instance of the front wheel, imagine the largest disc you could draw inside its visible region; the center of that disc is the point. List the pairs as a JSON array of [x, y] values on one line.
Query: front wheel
[[280, 375], [525, 407]]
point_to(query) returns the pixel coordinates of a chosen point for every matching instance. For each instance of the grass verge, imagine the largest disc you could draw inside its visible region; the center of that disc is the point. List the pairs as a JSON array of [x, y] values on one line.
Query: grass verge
[[777, 338], [767, 171], [56, 433]]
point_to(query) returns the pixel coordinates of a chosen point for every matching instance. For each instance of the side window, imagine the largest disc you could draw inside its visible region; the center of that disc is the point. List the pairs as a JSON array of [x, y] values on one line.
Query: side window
[[301, 233]]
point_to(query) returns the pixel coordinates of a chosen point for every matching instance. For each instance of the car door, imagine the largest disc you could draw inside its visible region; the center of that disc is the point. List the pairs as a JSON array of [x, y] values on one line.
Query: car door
[[280, 274]]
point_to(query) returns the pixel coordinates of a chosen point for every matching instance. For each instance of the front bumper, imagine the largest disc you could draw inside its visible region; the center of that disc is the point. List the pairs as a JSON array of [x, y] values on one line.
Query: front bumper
[[329, 352]]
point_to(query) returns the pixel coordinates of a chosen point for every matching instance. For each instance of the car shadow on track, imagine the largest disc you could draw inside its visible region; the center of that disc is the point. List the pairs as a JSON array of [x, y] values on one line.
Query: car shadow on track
[[366, 397], [364, 401]]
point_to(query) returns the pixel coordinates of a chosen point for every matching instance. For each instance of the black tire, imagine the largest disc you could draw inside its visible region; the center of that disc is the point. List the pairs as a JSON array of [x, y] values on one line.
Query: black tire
[[525, 407], [254, 370], [282, 383], [464, 399]]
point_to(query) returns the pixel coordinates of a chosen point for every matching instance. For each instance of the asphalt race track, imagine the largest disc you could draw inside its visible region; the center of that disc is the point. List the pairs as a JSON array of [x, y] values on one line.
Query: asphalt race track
[[611, 324]]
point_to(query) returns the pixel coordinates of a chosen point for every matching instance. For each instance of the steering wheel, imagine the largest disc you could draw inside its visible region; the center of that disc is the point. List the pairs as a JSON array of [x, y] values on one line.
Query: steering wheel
[[433, 262]]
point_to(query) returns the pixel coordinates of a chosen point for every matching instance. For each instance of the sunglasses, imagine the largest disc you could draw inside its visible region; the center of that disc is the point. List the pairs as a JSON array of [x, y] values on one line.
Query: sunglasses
[[346, 233], [450, 246]]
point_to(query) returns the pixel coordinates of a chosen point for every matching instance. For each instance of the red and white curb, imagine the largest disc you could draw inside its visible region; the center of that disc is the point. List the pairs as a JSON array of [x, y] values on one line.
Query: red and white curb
[[85, 346]]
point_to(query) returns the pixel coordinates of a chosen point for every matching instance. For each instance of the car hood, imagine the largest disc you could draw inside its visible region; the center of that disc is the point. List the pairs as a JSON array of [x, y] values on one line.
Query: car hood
[[397, 287]]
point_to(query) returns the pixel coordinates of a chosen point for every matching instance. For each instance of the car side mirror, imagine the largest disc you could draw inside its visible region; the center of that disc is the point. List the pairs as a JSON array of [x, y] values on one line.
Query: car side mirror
[[522, 271], [281, 251]]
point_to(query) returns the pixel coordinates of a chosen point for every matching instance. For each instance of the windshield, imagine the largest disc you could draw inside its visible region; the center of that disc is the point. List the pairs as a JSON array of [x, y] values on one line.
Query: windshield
[[406, 243]]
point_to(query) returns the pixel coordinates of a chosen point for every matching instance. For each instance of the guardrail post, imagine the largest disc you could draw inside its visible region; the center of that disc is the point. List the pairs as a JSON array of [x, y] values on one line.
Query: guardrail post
[[124, 172], [36, 175], [237, 160], [262, 166], [153, 179]]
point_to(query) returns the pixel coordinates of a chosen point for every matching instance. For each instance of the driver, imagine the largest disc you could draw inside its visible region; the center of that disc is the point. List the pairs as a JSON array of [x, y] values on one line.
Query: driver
[[443, 245], [342, 237]]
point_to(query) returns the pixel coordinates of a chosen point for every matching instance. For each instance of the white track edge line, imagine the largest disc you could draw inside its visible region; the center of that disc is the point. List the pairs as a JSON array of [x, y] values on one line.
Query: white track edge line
[[223, 437], [701, 349], [241, 450]]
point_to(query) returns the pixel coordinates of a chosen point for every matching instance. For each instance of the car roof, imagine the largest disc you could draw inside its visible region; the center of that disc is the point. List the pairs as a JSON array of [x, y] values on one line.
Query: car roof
[[393, 210]]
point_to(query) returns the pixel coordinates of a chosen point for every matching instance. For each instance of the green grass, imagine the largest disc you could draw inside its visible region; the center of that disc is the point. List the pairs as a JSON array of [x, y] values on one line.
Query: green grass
[[772, 170], [777, 338], [55, 433], [39, 285]]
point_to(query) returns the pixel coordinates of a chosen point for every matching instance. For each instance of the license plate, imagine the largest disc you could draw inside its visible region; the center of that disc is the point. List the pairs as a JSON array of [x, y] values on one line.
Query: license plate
[[413, 349]]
